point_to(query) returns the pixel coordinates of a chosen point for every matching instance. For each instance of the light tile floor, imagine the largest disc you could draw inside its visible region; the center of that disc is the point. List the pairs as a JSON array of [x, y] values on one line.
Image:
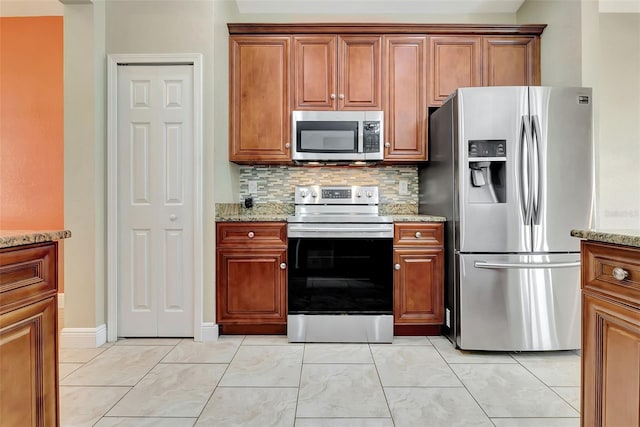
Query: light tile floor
[[265, 381]]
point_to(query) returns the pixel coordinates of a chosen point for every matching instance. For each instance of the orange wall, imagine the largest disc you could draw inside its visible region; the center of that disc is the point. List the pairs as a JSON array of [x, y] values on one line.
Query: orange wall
[[31, 123]]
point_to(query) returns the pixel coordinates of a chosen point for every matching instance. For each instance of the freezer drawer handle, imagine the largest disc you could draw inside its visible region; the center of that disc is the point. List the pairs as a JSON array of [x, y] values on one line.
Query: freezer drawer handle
[[483, 264]]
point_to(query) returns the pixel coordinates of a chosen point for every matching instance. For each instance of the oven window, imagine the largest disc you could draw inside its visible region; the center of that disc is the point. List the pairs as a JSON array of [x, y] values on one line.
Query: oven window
[[327, 137], [340, 276]]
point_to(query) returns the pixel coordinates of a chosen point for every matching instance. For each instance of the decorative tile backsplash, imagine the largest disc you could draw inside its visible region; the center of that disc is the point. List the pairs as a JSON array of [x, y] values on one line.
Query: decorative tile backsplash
[[275, 184]]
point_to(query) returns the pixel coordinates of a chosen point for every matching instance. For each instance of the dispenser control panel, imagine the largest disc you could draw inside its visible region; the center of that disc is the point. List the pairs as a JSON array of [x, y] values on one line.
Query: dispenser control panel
[[487, 148]]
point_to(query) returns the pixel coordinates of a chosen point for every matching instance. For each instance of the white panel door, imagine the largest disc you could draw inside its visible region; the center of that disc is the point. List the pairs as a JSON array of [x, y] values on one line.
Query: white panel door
[[155, 200]]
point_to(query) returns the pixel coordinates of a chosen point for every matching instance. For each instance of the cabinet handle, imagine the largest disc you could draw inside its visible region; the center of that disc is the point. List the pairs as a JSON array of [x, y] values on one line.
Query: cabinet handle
[[251, 234], [283, 266], [619, 273], [397, 266], [332, 96], [341, 96], [287, 145], [418, 234], [387, 144]]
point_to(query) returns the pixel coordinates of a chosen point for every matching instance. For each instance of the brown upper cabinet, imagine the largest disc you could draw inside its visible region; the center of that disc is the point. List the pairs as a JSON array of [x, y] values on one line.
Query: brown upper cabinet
[[511, 61], [337, 72], [456, 61], [259, 99], [401, 69], [405, 98]]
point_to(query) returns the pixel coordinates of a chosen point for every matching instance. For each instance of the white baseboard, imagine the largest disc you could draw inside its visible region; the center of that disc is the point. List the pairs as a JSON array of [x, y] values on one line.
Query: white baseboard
[[209, 331], [60, 301], [83, 337]]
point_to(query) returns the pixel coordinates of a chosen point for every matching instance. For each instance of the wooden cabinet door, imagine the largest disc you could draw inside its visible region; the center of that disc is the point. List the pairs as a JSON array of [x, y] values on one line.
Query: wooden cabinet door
[[456, 61], [418, 287], [405, 108], [610, 363], [251, 285], [28, 365], [359, 73], [314, 76], [259, 103], [511, 61]]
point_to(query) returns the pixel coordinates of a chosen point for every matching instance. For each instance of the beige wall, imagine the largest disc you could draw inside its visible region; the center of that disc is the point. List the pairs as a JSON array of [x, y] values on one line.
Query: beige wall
[[619, 116], [31, 8], [560, 53]]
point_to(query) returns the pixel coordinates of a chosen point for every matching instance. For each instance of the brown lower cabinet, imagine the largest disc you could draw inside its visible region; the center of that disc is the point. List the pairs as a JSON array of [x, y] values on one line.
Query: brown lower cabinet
[[418, 298], [29, 335], [251, 277], [610, 335]]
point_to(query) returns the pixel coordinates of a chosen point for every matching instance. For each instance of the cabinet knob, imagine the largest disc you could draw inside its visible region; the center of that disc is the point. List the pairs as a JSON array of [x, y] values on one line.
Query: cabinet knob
[[619, 273], [387, 144], [251, 234], [418, 234], [287, 145], [397, 266], [283, 266], [341, 96], [332, 96]]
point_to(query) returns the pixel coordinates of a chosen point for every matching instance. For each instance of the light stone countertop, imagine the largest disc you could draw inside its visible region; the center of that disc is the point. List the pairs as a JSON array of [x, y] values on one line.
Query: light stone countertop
[[11, 238], [234, 212], [618, 237]]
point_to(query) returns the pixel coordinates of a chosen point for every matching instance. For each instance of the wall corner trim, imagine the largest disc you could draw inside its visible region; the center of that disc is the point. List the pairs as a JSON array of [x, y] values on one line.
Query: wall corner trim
[[83, 337], [209, 332]]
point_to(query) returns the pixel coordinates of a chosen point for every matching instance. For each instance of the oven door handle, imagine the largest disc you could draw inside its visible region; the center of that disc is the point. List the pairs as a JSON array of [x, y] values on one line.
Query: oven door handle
[[337, 229]]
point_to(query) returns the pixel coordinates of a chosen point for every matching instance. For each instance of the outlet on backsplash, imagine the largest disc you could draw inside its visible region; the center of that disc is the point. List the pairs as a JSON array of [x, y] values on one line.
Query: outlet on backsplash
[[403, 188]]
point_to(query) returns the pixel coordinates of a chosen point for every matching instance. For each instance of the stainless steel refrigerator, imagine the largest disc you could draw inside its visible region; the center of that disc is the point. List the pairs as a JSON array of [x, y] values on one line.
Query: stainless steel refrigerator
[[511, 168]]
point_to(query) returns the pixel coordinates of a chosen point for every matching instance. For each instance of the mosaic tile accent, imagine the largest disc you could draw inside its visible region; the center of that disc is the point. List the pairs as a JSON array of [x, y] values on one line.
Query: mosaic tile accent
[[276, 183]]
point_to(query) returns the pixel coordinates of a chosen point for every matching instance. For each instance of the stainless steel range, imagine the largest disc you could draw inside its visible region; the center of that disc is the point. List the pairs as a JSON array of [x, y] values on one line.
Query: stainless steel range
[[340, 275]]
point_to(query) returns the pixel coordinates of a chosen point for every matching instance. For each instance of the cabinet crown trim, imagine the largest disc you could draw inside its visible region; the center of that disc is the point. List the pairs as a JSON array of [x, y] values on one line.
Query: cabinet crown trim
[[380, 28]]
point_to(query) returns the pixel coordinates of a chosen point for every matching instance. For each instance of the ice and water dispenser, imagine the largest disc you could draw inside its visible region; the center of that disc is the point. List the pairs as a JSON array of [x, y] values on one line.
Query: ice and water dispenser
[[487, 171]]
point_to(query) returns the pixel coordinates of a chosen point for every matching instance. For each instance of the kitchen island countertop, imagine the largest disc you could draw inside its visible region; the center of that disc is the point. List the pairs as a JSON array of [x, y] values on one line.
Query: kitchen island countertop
[[11, 238], [629, 237]]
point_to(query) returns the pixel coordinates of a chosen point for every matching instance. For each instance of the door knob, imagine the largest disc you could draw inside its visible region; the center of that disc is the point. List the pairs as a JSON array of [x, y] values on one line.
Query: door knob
[[283, 266], [619, 273], [397, 266], [173, 217]]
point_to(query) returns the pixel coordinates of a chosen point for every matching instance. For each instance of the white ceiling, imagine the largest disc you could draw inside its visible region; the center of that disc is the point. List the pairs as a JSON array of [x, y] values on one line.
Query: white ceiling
[[334, 7]]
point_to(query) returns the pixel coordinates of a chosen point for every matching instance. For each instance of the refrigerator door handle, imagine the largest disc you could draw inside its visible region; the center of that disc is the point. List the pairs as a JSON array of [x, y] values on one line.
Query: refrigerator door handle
[[537, 170], [506, 265], [525, 179]]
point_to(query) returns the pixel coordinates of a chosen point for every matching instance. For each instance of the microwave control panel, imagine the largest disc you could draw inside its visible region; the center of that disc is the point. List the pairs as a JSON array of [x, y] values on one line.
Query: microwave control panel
[[371, 136]]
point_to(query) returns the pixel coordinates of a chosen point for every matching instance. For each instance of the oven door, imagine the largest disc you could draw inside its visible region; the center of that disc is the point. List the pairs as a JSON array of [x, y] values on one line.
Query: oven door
[[338, 276]]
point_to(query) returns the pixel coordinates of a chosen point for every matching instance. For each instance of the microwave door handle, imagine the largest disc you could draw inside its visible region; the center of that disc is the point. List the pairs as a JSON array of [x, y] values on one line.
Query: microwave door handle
[[360, 136]]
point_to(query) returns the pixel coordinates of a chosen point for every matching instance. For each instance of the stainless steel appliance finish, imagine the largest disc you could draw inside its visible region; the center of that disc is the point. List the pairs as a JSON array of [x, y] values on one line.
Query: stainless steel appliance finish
[[512, 170], [340, 136], [340, 280]]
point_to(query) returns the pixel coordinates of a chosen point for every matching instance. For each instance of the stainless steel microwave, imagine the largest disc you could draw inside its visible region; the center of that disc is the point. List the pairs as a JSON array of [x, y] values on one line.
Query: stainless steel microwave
[[337, 135]]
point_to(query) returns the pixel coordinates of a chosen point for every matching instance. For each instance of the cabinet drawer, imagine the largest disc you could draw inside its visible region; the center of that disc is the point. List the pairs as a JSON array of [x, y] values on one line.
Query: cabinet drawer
[[27, 274], [251, 234], [418, 234], [602, 262]]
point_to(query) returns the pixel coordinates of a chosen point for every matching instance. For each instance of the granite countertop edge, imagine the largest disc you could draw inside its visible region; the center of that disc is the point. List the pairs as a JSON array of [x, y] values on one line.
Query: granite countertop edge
[[12, 238], [283, 218], [618, 237]]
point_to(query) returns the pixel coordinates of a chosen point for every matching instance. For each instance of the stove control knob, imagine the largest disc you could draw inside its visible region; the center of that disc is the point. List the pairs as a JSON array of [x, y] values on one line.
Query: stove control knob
[[369, 194], [359, 194], [314, 194], [303, 193]]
